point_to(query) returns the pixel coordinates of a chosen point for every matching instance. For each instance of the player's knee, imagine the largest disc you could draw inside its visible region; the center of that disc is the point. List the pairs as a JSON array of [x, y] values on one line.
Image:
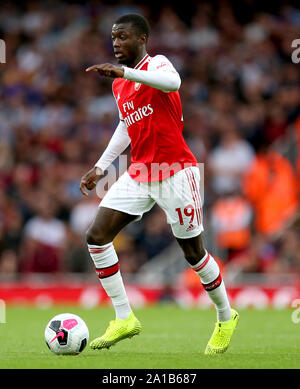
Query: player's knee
[[96, 236], [194, 256]]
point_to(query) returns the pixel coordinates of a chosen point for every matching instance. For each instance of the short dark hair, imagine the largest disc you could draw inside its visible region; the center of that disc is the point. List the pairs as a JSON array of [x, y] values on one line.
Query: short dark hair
[[138, 22]]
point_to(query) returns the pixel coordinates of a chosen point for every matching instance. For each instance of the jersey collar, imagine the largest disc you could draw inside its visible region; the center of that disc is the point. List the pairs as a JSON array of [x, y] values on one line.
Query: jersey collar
[[142, 61]]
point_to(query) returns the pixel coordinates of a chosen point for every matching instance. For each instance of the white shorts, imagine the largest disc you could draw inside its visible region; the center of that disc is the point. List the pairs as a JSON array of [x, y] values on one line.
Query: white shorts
[[178, 195]]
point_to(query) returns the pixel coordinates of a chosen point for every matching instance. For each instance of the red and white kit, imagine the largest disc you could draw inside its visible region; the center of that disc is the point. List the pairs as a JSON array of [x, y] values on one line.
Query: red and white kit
[[163, 170]]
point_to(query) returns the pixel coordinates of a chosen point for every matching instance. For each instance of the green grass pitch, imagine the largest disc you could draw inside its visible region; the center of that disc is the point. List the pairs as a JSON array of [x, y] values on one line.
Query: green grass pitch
[[172, 338]]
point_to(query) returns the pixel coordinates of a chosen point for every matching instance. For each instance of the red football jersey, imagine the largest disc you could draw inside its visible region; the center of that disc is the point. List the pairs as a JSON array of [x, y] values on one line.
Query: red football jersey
[[154, 123]]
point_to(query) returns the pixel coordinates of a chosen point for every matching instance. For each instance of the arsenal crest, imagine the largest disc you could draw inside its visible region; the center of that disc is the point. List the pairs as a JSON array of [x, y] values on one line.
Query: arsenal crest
[[137, 85]]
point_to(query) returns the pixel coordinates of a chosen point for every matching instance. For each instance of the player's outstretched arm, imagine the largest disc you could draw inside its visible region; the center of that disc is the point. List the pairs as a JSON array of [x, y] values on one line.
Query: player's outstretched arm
[[167, 81], [161, 75], [107, 70]]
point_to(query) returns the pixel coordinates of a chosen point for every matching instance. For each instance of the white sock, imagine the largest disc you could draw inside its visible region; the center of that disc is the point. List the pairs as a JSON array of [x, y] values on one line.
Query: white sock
[[209, 272], [107, 267]]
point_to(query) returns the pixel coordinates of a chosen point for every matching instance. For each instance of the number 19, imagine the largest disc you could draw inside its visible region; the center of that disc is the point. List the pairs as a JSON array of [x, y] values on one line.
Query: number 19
[[189, 211]]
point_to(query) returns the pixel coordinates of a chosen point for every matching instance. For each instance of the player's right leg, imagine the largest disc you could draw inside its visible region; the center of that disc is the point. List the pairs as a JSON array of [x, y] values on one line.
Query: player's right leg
[[106, 225], [122, 204]]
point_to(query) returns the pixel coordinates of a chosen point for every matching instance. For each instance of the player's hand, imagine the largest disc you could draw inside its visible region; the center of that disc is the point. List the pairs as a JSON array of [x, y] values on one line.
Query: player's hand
[[89, 180], [107, 70]]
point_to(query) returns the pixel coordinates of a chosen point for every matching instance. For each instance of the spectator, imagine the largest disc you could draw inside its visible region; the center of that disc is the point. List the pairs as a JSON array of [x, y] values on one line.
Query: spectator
[[289, 252], [156, 235], [81, 216], [44, 240], [229, 160], [297, 128], [9, 264], [271, 186], [260, 257], [231, 222]]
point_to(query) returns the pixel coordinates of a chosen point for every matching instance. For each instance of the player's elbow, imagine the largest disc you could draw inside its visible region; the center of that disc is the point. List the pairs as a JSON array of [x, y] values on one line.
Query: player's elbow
[[174, 85]]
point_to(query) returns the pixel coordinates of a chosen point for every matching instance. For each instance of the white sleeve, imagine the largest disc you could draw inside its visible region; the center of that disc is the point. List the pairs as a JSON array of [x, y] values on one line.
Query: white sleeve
[[118, 143], [161, 74]]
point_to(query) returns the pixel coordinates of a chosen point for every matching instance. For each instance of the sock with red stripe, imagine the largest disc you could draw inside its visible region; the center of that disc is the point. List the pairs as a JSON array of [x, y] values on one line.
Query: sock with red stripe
[[107, 268], [209, 272]]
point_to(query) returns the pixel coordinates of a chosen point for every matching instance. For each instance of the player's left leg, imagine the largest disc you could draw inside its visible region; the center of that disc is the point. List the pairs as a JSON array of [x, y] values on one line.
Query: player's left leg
[[209, 272], [182, 206]]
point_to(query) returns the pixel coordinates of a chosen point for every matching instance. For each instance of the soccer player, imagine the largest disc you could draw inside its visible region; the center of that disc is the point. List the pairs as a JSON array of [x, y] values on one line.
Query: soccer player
[[146, 92]]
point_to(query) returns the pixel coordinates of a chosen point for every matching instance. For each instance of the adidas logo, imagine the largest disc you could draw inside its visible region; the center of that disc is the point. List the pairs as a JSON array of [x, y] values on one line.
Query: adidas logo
[[190, 227]]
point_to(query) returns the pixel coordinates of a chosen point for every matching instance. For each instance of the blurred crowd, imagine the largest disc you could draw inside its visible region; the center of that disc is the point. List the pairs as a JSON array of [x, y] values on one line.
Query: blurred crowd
[[240, 95]]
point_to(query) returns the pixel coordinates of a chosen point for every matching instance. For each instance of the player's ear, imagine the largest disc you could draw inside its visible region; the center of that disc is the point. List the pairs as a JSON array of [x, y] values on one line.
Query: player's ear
[[143, 39]]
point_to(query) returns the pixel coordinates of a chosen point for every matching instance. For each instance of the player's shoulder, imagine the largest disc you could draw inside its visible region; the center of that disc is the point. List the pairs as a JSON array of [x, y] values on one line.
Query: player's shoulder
[[159, 57], [159, 61]]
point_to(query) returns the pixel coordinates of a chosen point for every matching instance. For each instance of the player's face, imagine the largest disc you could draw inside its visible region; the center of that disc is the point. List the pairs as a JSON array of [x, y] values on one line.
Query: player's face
[[127, 44]]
